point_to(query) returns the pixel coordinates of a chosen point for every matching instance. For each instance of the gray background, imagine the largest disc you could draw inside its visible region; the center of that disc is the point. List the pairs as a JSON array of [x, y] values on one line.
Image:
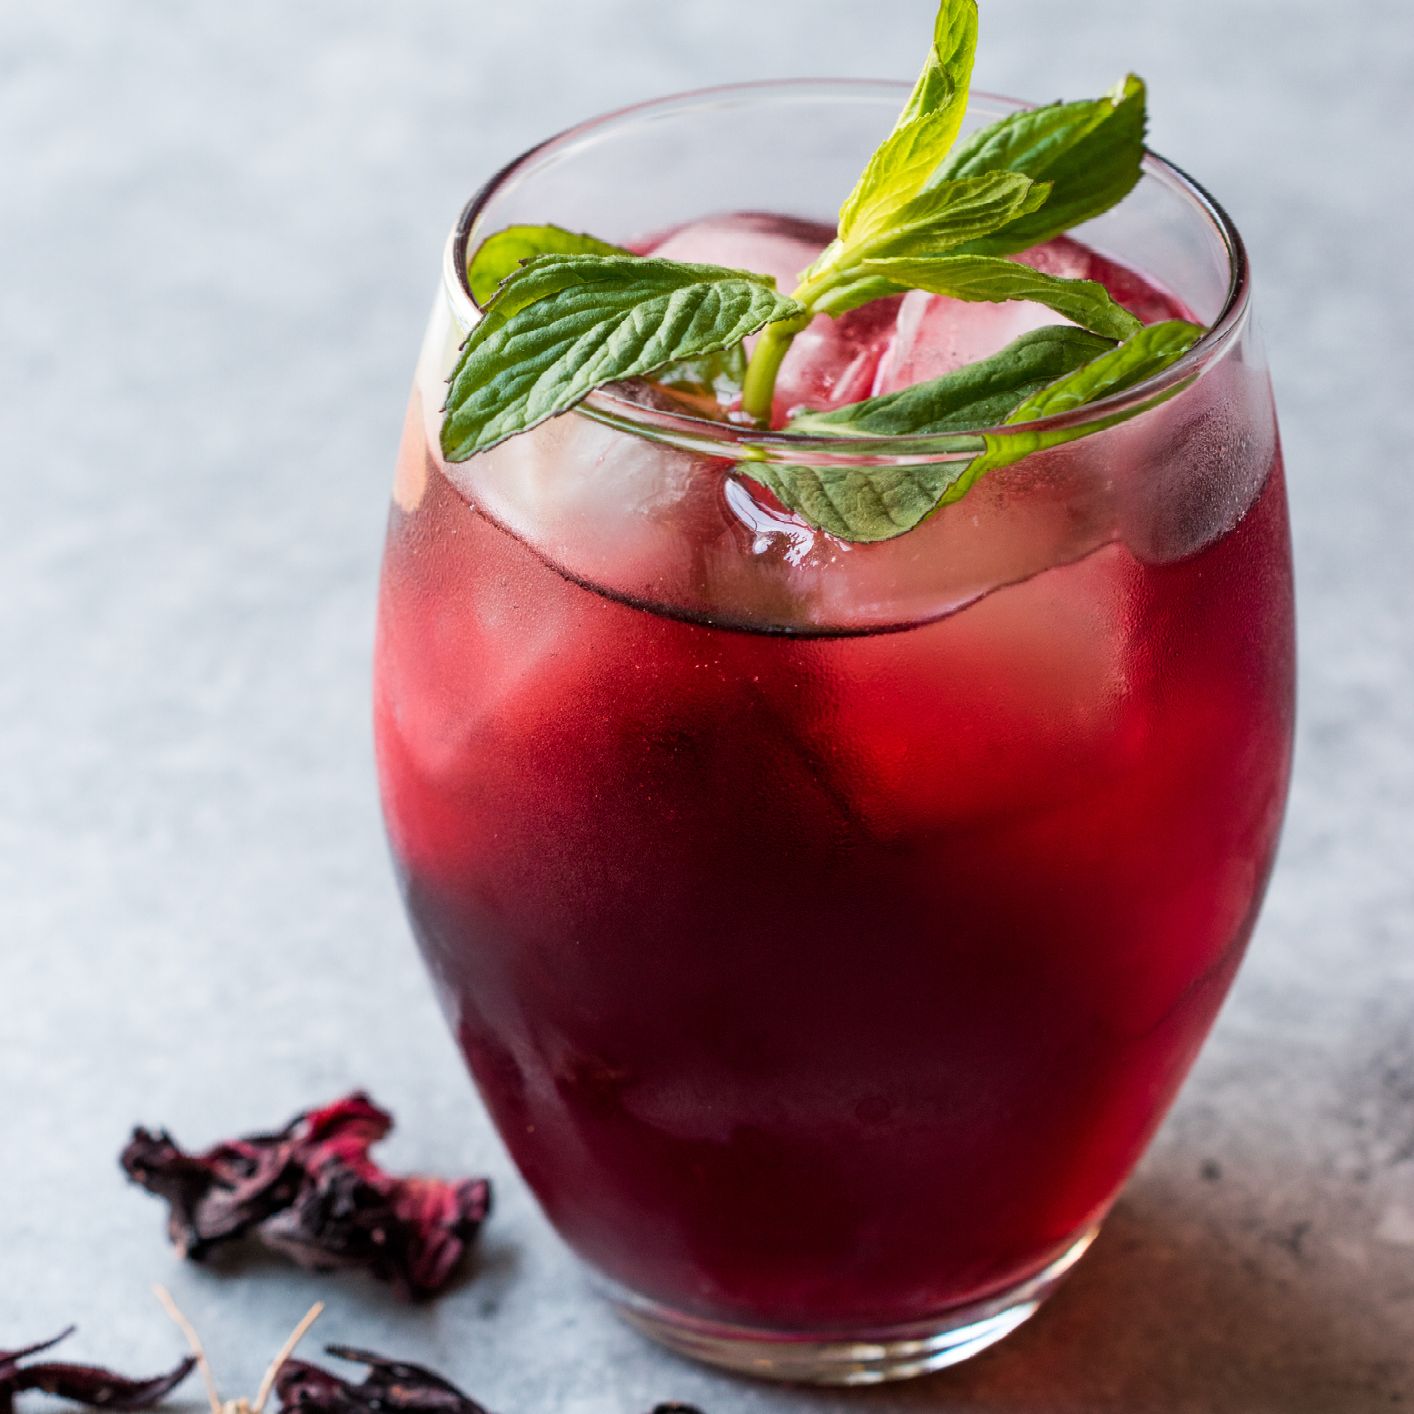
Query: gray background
[[219, 232]]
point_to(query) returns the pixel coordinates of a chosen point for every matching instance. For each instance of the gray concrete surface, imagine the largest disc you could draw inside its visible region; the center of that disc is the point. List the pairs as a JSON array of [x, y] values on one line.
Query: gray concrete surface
[[219, 229]]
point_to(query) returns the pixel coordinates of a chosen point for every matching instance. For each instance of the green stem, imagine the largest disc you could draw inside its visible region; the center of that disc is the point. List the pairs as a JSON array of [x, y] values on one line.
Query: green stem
[[758, 389]]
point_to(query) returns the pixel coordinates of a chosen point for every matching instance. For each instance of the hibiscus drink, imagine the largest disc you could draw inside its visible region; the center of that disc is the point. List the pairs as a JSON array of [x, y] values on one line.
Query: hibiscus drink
[[857, 991], [831, 847]]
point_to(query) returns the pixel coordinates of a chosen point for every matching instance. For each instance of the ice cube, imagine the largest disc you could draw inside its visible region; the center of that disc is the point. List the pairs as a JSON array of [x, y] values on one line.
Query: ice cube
[[1063, 257], [779, 246], [832, 362], [610, 507], [935, 335], [836, 361]]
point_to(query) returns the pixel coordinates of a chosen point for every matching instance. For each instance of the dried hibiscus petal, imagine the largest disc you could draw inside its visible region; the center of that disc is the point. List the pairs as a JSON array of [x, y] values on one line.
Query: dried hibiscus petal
[[311, 1191], [81, 1384], [389, 1387]]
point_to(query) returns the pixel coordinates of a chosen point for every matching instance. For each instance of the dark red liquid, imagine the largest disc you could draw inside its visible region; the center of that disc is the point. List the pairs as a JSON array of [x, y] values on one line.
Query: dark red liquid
[[824, 982]]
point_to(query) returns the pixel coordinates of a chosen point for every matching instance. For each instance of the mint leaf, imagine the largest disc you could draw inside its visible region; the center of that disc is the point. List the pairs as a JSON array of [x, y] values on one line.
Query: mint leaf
[[950, 213], [500, 255], [870, 504], [919, 198], [562, 325], [983, 277], [979, 395], [935, 221], [947, 75], [717, 375], [1147, 353], [861, 505], [1090, 152], [927, 127]]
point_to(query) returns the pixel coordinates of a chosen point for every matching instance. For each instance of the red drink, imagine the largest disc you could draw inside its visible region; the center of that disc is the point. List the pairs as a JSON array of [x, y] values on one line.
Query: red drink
[[833, 977], [829, 925]]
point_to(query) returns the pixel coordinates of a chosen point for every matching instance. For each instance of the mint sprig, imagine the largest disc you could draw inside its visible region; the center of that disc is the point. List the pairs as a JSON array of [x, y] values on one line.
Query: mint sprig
[[566, 324], [566, 312], [1019, 182]]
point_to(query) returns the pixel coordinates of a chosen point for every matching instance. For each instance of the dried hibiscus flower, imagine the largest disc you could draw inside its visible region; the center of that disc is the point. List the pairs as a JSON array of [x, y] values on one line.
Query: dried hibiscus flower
[[311, 1192], [389, 1387], [81, 1384]]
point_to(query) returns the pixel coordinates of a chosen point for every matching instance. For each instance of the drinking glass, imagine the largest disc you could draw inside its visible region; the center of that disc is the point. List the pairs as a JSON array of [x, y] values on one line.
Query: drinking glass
[[828, 927]]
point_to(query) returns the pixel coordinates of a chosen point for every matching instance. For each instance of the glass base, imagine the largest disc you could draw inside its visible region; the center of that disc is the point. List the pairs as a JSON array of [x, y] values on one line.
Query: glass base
[[866, 1358]]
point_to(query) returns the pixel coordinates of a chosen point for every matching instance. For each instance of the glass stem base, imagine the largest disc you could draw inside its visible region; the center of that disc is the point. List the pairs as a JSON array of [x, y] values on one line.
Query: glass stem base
[[867, 1357]]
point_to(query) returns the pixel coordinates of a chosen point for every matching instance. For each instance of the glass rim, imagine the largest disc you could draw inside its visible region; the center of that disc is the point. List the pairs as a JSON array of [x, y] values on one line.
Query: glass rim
[[735, 441]]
